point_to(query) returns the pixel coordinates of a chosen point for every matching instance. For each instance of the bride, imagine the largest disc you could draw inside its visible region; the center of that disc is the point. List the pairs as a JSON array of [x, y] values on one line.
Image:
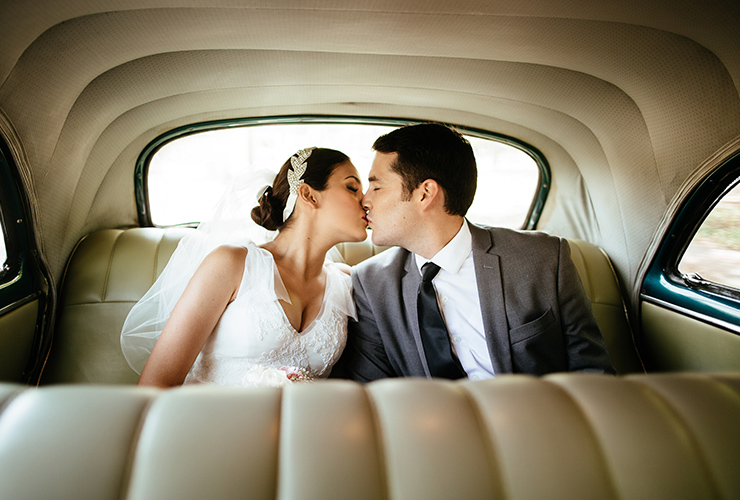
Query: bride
[[228, 311]]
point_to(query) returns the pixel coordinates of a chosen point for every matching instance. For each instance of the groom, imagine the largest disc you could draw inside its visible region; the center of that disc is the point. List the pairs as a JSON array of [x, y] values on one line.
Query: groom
[[455, 299]]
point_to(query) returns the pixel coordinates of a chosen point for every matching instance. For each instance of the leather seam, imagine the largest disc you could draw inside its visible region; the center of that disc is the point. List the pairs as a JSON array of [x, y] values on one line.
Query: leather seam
[[106, 280], [379, 443], [99, 303], [127, 475], [492, 450], [156, 257], [693, 439], [609, 479]]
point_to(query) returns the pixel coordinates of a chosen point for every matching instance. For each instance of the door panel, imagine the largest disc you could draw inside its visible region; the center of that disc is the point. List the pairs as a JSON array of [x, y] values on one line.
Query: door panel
[[17, 331], [676, 342], [690, 296]]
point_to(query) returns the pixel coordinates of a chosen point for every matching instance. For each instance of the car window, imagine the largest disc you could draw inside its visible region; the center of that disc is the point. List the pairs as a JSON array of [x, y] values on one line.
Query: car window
[[187, 175], [694, 270], [714, 252]]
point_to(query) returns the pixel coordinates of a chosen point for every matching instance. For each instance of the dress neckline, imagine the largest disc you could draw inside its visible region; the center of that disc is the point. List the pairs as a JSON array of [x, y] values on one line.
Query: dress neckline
[[279, 279]]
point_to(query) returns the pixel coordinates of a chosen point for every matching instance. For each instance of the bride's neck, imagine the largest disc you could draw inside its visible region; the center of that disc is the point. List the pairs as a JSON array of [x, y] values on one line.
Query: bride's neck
[[298, 251]]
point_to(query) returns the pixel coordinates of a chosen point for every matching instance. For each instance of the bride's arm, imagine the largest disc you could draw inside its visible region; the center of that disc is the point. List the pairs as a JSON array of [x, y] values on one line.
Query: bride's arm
[[213, 286]]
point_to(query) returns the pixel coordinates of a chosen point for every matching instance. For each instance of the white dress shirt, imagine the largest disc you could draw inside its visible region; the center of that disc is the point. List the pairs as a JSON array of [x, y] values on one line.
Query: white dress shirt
[[457, 296]]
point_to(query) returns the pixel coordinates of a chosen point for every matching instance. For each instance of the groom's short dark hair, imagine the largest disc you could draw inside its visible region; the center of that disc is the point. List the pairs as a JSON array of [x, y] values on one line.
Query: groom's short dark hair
[[434, 151]]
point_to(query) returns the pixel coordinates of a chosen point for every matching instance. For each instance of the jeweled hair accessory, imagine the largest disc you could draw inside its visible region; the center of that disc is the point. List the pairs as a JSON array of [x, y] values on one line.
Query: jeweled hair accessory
[[295, 179]]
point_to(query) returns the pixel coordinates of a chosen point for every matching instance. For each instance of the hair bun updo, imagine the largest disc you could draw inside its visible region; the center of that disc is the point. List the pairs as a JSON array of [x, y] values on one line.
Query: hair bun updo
[[263, 214]]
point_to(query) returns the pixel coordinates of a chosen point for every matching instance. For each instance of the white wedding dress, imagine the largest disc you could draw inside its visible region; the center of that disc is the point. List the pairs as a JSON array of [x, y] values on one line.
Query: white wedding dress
[[253, 343], [254, 339]]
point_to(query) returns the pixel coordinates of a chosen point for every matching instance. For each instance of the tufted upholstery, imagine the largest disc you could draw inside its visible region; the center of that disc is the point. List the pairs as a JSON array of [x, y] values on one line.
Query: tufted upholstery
[[566, 436], [110, 270]]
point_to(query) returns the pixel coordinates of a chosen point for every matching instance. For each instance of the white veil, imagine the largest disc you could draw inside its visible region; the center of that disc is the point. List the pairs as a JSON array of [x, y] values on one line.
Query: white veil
[[229, 223]]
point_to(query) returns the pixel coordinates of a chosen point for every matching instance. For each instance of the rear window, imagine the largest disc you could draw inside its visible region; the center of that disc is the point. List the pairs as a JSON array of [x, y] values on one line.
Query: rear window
[[187, 175]]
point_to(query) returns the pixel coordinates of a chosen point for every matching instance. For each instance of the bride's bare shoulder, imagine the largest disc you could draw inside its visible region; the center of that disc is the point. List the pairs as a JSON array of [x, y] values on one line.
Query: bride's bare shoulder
[[229, 256]]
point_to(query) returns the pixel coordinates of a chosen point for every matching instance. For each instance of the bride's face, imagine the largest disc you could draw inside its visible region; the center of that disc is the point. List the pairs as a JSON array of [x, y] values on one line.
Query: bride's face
[[342, 204]]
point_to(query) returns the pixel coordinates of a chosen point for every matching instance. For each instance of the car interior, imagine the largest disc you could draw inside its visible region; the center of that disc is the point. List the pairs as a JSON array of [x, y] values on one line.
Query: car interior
[[630, 111]]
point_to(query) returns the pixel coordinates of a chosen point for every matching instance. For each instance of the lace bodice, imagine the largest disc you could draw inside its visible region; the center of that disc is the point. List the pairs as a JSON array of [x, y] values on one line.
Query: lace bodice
[[254, 338]]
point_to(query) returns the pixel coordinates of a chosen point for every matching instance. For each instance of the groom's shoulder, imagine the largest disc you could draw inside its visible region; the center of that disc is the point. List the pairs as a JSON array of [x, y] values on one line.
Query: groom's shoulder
[[382, 263], [506, 237]]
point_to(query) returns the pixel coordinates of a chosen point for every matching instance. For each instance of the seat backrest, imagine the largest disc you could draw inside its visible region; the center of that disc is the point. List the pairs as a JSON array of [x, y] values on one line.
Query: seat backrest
[[110, 270], [602, 288], [563, 436]]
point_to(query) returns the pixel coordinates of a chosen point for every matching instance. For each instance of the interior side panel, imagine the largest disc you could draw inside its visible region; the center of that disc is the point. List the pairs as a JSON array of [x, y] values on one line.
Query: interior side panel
[[674, 342], [17, 330]]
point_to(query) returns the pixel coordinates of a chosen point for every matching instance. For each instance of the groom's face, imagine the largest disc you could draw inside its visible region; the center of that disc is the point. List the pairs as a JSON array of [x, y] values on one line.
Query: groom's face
[[390, 213]]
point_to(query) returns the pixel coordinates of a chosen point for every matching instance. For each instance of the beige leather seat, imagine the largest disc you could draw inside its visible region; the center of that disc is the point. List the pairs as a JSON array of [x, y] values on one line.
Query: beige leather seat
[[567, 436], [110, 270]]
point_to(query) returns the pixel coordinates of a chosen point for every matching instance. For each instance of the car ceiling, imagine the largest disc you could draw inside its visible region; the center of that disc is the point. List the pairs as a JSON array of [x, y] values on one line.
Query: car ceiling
[[625, 99]]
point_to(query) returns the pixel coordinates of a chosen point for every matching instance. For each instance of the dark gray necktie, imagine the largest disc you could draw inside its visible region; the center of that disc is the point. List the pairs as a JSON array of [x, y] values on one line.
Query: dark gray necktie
[[441, 360]]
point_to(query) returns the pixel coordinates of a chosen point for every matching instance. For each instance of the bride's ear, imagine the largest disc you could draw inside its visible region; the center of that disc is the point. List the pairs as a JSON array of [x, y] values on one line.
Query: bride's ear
[[308, 195]]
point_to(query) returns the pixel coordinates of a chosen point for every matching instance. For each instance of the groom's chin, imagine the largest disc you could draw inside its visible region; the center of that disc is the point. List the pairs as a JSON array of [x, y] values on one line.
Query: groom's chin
[[376, 238]]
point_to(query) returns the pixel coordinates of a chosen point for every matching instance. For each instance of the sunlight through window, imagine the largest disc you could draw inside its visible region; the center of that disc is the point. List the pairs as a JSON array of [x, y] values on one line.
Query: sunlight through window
[[188, 175]]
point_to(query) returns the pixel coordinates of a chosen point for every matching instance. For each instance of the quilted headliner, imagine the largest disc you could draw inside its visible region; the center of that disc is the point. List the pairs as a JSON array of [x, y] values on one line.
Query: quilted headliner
[[624, 99]]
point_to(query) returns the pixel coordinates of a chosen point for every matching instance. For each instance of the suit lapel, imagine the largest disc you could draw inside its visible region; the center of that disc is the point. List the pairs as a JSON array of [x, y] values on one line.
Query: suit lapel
[[491, 295], [410, 282]]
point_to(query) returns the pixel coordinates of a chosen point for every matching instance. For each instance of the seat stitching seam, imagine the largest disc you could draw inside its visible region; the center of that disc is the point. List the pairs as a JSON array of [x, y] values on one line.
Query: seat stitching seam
[[110, 266], [156, 257], [592, 432], [379, 443], [126, 477], [99, 303], [686, 429], [493, 448]]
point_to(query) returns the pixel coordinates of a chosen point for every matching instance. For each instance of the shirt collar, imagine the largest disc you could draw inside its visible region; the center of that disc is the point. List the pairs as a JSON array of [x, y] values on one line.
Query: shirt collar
[[453, 255]]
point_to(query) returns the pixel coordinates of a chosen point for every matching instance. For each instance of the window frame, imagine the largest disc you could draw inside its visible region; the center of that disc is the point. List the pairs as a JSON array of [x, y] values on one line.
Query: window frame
[[665, 285], [26, 278], [13, 286], [141, 188]]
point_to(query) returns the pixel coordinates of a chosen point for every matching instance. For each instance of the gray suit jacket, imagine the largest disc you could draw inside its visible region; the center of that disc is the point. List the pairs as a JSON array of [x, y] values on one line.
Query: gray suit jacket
[[536, 314]]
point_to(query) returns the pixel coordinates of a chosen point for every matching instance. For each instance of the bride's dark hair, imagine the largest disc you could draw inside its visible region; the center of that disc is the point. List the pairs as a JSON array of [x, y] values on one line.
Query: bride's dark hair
[[319, 167]]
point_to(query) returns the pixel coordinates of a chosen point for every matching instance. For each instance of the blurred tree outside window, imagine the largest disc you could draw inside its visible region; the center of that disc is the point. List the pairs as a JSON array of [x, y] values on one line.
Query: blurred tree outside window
[[714, 253]]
